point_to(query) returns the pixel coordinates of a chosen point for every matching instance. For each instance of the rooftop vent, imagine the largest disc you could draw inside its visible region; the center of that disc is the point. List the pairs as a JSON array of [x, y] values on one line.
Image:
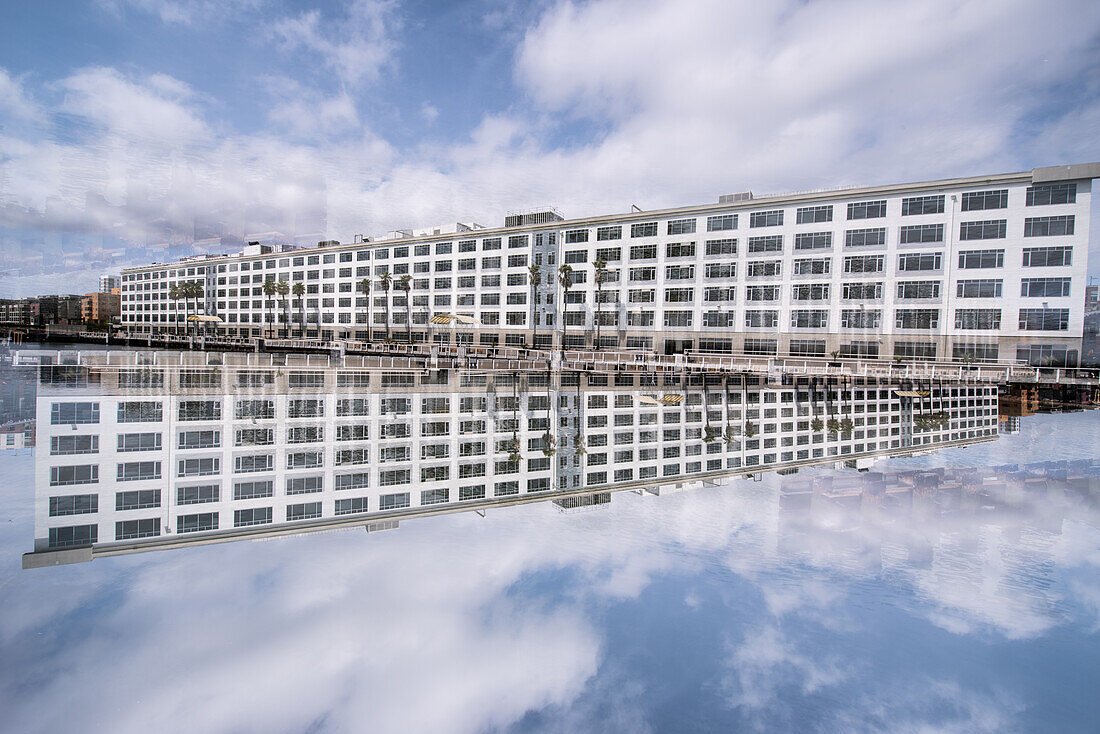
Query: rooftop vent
[[739, 197], [328, 243], [543, 215]]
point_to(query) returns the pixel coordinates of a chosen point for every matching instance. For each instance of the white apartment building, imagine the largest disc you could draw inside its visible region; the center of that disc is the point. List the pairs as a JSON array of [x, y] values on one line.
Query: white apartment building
[[989, 268], [138, 456]]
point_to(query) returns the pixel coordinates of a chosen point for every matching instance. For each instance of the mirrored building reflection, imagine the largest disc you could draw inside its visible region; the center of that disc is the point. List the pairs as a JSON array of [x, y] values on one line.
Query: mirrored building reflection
[[139, 451]]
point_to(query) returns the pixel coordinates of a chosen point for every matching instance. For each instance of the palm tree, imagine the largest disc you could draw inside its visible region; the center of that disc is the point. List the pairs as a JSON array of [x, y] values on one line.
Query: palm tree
[[270, 289], [282, 288], [534, 275], [405, 284], [817, 425], [384, 281], [175, 292], [601, 273], [364, 285], [193, 290], [299, 291], [565, 280]]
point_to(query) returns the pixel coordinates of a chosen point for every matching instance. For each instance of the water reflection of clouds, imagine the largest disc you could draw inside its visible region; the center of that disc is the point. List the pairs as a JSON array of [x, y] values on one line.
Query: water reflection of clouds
[[465, 624]]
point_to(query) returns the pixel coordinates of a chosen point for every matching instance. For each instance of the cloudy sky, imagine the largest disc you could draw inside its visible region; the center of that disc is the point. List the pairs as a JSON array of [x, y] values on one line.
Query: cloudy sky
[[707, 610], [148, 122]]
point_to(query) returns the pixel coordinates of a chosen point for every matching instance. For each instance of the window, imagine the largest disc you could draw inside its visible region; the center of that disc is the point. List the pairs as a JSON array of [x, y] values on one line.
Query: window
[[761, 346], [721, 270], [921, 233], [361, 480], [815, 266], [304, 511], [1038, 257], [809, 319], [811, 214], [869, 291], [128, 442], [865, 237], [251, 516], [73, 535], [867, 209], [993, 229], [909, 289], [721, 247], [681, 249], [976, 351], [136, 471], [679, 272], [680, 226], [61, 476], [772, 243], [576, 235], [810, 292], [978, 289], [811, 241], [198, 494], [1048, 226], [609, 233], [304, 459], [252, 490], [922, 205], [772, 218], [200, 410], [139, 412], [643, 252], [198, 467], [678, 319], [764, 268], [762, 293], [973, 259], [914, 350], [253, 463], [978, 318], [679, 295], [973, 201], [138, 500], [1044, 319], [645, 229], [808, 347], [1044, 287], [917, 318], [761, 319], [351, 506], [1043, 194], [722, 222], [865, 264], [919, 261], [74, 504], [576, 256], [69, 445]]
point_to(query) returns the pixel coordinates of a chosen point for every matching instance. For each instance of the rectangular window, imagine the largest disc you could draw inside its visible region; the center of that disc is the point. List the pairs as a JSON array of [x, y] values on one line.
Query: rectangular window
[[978, 289], [772, 243], [867, 209], [251, 516], [139, 500], [815, 266], [253, 463], [61, 476], [609, 233], [812, 214], [993, 229], [253, 490], [137, 471], [918, 261], [765, 268], [74, 504], [722, 222], [73, 535], [678, 319], [1039, 257], [910, 289], [869, 291], [644, 229], [811, 241], [865, 264], [198, 494], [921, 233], [74, 413], [973, 201], [70, 445], [200, 410], [773, 218], [1043, 194], [1048, 226], [865, 237], [143, 411], [917, 318], [1044, 319], [974, 259], [351, 506], [680, 249], [643, 252], [679, 272], [576, 235], [809, 319], [810, 292], [761, 319], [721, 247], [922, 205], [128, 442], [1044, 287], [199, 467], [721, 270], [304, 511], [680, 226], [132, 529], [978, 318]]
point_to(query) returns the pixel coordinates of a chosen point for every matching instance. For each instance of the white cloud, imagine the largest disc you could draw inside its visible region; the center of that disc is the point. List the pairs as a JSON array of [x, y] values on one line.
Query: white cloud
[[306, 112], [15, 105], [356, 46], [182, 12]]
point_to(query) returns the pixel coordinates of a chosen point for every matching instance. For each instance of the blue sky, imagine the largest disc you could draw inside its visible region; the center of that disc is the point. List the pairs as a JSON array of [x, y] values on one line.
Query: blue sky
[[127, 125]]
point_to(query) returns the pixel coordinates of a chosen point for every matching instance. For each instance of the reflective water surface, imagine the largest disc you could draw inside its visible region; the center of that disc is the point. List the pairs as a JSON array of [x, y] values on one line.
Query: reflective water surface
[[895, 599]]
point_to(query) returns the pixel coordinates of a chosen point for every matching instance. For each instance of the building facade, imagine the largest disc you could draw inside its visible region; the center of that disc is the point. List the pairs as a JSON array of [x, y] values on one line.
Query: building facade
[[141, 453], [985, 268]]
